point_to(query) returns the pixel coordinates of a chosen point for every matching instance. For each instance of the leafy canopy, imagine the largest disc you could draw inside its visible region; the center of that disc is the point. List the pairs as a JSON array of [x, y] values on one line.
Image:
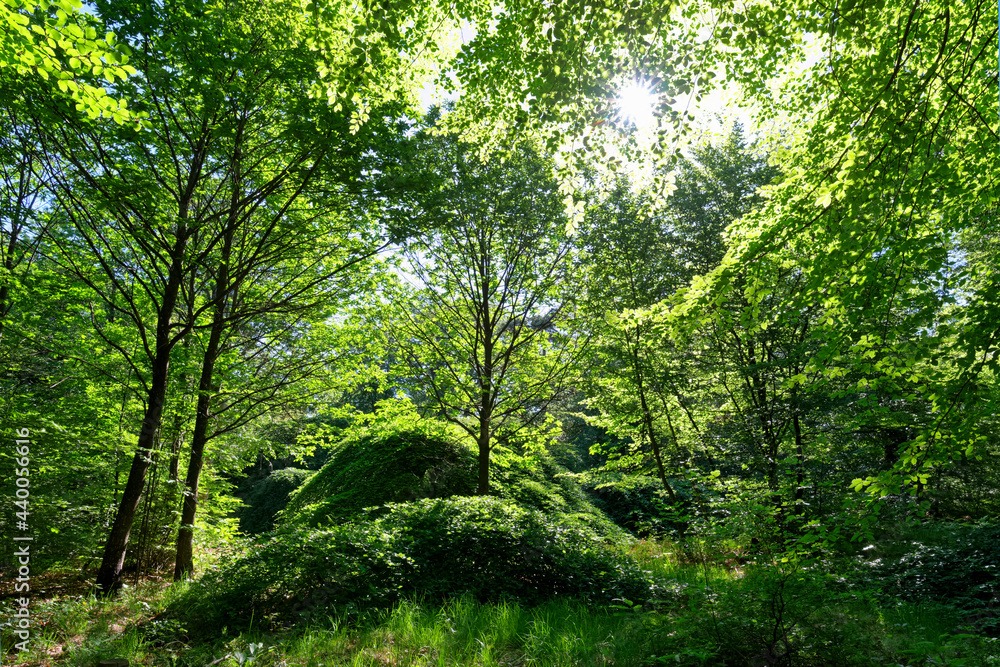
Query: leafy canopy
[[56, 43]]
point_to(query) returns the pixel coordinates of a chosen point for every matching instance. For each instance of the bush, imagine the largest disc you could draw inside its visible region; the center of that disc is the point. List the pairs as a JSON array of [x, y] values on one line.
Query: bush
[[398, 458], [537, 482], [485, 547], [956, 563], [495, 549], [777, 616]]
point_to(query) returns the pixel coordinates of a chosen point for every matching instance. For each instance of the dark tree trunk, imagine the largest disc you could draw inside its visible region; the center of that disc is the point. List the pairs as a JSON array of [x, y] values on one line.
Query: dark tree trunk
[[184, 561], [647, 418], [8, 265], [800, 466], [655, 444], [177, 437], [483, 488], [109, 575], [486, 392]]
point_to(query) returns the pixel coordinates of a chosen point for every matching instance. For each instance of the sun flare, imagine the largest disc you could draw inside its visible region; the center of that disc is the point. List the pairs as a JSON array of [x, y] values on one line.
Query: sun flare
[[635, 104]]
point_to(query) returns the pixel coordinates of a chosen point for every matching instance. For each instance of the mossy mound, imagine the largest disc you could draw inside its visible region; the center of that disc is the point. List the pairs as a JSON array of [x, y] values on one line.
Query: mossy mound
[[484, 547], [380, 464], [539, 483], [395, 460]]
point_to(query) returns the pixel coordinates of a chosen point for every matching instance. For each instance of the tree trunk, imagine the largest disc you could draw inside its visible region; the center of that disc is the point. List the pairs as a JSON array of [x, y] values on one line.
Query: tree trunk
[[800, 467], [8, 266], [184, 561], [486, 393], [647, 418], [109, 575], [177, 437], [483, 489]]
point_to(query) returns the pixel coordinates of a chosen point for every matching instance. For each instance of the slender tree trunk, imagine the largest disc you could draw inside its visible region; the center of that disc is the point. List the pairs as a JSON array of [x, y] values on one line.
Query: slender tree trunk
[[647, 418], [8, 265], [483, 488], [109, 575], [486, 393], [485, 434], [800, 467], [177, 437], [177, 432], [184, 561], [4, 291]]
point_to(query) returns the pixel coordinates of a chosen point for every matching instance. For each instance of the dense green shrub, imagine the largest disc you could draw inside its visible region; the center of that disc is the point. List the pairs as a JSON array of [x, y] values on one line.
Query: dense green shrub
[[387, 460], [493, 549], [266, 497], [485, 547], [784, 616], [949, 562], [537, 482], [396, 456]]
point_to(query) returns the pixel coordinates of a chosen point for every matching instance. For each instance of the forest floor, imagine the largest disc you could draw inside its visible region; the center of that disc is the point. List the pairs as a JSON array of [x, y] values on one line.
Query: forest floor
[[723, 613]]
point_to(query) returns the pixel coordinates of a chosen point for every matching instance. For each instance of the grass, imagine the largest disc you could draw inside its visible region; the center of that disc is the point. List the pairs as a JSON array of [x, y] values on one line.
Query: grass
[[710, 614], [465, 632]]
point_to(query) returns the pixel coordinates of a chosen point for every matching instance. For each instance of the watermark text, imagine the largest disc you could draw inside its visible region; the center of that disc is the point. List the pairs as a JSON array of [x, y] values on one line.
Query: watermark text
[[20, 621]]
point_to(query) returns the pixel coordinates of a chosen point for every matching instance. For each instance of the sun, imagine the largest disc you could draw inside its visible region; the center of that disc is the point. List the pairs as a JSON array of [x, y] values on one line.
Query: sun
[[635, 104]]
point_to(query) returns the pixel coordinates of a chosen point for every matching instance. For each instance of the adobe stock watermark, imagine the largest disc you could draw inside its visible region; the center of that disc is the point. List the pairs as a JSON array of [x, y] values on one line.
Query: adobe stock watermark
[[20, 621]]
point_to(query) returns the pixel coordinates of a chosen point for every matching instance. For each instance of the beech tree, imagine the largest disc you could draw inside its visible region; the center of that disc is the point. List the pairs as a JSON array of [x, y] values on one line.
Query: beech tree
[[489, 343], [206, 188], [289, 245], [629, 266], [888, 141]]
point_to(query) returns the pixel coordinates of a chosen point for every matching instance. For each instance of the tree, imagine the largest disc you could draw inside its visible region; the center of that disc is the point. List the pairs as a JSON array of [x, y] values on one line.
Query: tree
[[289, 248], [489, 345], [649, 387], [629, 267], [233, 141]]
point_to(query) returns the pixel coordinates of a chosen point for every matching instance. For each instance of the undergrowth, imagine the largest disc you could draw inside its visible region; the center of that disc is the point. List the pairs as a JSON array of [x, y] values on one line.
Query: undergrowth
[[487, 548], [707, 614]]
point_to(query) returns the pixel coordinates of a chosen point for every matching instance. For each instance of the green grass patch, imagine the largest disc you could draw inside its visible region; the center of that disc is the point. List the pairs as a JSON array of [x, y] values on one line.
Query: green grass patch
[[713, 615]]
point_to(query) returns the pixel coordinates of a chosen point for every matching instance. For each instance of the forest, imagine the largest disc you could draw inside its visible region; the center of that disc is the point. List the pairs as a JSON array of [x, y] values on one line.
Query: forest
[[506, 333]]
